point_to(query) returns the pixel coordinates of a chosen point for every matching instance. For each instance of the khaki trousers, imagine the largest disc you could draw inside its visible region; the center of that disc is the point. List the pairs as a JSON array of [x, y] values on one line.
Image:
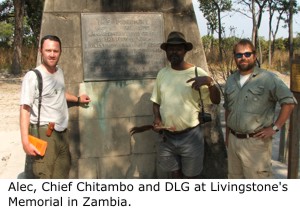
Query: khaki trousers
[[249, 158]]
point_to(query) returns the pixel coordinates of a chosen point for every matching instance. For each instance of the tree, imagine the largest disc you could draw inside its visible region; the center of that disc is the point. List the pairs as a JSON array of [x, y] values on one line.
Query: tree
[[34, 12], [18, 37], [290, 24], [25, 17], [6, 23], [6, 10], [282, 8], [6, 31], [257, 8], [212, 10], [272, 6]]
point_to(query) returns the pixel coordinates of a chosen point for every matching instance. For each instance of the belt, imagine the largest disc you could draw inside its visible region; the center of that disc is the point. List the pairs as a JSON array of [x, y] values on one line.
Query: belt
[[35, 126], [242, 136], [181, 131]]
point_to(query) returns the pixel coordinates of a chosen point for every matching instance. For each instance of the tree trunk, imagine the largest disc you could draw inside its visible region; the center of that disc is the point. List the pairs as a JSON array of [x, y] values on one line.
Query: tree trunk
[[293, 158], [220, 36], [270, 34], [18, 37], [254, 29]]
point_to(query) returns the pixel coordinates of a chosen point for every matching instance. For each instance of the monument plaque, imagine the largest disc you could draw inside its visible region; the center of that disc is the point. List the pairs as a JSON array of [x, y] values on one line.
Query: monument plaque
[[122, 46]]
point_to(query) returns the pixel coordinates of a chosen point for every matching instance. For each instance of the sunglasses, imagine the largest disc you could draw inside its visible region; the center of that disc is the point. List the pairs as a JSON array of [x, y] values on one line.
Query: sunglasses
[[240, 55]]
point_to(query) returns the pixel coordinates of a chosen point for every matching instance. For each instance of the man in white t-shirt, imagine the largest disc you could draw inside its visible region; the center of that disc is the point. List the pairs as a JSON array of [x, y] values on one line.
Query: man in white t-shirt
[[56, 162], [175, 100]]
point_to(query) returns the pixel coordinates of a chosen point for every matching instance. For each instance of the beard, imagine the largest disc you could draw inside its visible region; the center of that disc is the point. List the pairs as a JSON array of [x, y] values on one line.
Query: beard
[[175, 59], [245, 67]]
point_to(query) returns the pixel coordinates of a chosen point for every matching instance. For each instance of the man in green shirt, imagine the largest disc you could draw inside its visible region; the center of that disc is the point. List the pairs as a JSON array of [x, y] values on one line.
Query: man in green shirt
[[251, 95]]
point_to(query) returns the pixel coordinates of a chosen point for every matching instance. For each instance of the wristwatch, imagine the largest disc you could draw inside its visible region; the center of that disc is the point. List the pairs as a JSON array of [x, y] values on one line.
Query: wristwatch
[[275, 128]]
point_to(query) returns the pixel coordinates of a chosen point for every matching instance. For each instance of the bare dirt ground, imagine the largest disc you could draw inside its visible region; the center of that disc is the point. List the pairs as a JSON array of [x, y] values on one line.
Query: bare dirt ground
[[10, 93], [12, 156]]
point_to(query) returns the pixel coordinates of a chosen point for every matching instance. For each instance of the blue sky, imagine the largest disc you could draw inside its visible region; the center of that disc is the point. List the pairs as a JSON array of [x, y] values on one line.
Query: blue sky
[[243, 24]]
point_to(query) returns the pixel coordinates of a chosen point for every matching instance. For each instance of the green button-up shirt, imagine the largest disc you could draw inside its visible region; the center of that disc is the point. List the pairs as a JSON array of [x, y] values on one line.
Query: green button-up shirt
[[252, 106]]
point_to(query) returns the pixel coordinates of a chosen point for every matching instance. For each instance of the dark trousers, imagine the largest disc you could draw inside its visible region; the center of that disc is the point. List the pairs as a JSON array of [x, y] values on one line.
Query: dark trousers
[[56, 163]]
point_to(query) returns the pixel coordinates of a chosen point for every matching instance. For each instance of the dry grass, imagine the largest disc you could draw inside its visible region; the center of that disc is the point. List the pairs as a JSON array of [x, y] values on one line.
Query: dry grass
[[219, 70], [29, 55], [280, 62], [5, 59]]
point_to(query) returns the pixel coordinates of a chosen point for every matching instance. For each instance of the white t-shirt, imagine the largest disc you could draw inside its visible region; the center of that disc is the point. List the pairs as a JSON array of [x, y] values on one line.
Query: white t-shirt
[[243, 79], [54, 104]]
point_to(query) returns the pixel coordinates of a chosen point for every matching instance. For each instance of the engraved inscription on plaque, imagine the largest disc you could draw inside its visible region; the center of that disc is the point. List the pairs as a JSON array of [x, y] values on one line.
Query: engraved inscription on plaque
[[122, 46]]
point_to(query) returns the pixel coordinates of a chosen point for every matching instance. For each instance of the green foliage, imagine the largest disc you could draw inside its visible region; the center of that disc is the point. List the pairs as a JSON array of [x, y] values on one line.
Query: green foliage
[[212, 9], [32, 22], [207, 41], [28, 37], [229, 42], [210, 14], [264, 45], [6, 33], [34, 12], [281, 44], [297, 42], [6, 23], [31, 29], [6, 10]]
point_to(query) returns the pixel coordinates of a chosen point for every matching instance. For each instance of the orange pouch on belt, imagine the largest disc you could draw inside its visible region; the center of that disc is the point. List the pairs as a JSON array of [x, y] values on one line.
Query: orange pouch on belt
[[40, 144], [50, 129]]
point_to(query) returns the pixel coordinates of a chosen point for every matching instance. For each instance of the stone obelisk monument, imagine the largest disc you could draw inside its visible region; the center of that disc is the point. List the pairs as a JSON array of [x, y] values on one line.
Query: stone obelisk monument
[[110, 50]]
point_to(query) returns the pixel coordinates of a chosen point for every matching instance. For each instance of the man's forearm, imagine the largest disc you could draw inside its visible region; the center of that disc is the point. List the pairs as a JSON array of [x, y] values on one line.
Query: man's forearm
[[215, 95], [24, 122], [156, 112], [71, 98], [285, 112]]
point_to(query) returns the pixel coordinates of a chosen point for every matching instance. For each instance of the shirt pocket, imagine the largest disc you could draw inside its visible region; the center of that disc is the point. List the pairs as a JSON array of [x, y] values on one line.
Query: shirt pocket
[[231, 95], [255, 100]]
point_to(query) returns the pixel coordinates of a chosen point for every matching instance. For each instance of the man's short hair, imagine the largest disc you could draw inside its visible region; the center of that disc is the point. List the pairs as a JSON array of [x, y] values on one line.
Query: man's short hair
[[50, 37], [244, 42]]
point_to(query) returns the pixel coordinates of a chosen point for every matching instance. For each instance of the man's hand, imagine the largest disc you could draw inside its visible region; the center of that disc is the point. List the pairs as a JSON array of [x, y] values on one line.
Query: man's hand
[[85, 99], [157, 125], [200, 81], [265, 133], [30, 149]]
